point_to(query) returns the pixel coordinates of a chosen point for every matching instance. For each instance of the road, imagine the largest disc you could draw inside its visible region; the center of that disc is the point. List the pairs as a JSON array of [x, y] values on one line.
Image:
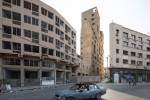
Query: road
[[114, 92]]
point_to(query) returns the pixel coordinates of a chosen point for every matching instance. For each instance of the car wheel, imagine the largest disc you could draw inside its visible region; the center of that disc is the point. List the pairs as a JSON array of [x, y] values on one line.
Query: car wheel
[[98, 96], [70, 98]]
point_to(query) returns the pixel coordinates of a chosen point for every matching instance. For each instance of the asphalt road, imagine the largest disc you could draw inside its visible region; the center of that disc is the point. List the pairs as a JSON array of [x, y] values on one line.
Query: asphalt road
[[114, 92]]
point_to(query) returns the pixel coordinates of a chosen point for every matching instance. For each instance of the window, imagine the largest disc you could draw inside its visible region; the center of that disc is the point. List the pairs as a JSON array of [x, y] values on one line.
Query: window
[[57, 53], [11, 61], [35, 49], [44, 50], [133, 37], [27, 19], [57, 21], [27, 48], [125, 43], [35, 7], [117, 41], [35, 21], [125, 35], [117, 32], [16, 31], [67, 29], [6, 29], [6, 13], [140, 55], [44, 38], [61, 23], [27, 33], [27, 5], [125, 61], [148, 41], [31, 48], [8, 1], [6, 45], [117, 60], [50, 15], [133, 54], [50, 27], [16, 16], [148, 63], [16, 46], [133, 45], [34, 63], [133, 62], [57, 31], [148, 48], [35, 35], [51, 51], [16, 2], [51, 40], [44, 11], [44, 26], [140, 39], [148, 56], [139, 63], [125, 52], [117, 51]]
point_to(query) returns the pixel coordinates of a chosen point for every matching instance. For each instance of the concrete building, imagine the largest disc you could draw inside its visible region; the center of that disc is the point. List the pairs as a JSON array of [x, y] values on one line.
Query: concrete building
[[129, 53], [36, 43], [92, 42], [83, 68]]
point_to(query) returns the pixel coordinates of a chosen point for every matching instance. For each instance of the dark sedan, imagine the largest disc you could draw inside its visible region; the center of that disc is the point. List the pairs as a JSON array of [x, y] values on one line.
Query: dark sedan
[[81, 91]]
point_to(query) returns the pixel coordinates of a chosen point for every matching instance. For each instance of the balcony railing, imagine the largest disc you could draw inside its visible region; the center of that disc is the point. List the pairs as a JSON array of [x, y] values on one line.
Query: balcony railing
[[5, 35]]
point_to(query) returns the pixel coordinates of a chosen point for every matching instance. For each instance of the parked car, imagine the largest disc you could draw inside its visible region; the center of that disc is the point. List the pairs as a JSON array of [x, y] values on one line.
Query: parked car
[[81, 91]]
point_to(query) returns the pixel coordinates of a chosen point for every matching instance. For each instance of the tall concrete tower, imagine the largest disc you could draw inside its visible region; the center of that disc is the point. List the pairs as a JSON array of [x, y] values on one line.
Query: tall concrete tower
[[92, 42]]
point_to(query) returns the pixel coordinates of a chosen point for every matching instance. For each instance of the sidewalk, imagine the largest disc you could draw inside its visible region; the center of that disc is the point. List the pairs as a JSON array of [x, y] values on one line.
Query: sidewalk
[[16, 89]]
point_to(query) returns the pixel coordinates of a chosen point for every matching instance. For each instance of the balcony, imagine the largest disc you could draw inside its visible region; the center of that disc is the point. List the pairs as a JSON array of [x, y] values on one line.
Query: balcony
[[5, 35], [35, 40], [6, 4], [16, 22], [44, 30], [35, 13]]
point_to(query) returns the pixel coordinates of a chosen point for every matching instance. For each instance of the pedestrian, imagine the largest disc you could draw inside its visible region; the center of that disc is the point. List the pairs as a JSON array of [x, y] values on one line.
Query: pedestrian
[[134, 82]]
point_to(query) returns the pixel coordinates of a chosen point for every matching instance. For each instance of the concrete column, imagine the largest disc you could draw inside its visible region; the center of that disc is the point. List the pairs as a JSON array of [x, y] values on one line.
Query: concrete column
[[55, 73], [22, 73], [40, 75], [1, 72], [40, 72]]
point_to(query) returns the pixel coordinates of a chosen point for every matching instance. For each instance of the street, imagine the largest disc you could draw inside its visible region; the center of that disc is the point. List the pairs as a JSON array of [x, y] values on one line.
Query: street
[[114, 92]]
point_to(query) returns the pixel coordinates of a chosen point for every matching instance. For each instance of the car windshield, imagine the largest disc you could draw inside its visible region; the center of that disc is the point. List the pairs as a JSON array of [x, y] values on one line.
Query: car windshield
[[74, 87]]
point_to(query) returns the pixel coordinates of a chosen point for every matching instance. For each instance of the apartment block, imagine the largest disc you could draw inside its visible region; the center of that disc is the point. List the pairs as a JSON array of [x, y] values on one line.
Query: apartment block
[[92, 42], [36, 43], [129, 53]]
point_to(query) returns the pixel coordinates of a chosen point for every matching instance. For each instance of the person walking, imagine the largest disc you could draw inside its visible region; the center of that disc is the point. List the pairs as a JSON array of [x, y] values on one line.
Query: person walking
[[134, 82]]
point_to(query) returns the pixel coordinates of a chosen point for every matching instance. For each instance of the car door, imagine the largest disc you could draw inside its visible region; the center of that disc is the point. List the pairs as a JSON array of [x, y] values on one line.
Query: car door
[[83, 93], [93, 91]]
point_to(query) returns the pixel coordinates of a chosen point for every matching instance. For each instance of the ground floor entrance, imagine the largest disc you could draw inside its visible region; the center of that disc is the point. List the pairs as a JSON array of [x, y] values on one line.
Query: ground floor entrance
[[140, 75]]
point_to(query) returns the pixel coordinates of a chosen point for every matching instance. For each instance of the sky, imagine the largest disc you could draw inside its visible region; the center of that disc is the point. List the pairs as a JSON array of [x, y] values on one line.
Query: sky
[[133, 14]]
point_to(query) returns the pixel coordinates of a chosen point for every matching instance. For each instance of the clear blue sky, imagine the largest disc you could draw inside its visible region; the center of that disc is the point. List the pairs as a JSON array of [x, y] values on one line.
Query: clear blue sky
[[134, 14]]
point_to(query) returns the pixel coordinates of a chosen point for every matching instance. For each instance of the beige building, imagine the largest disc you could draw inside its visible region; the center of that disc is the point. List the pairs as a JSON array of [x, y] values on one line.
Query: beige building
[[36, 43], [92, 42], [129, 53]]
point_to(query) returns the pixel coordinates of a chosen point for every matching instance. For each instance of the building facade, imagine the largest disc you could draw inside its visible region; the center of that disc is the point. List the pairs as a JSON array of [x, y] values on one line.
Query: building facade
[[36, 43], [92, 42], [129, 53]]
